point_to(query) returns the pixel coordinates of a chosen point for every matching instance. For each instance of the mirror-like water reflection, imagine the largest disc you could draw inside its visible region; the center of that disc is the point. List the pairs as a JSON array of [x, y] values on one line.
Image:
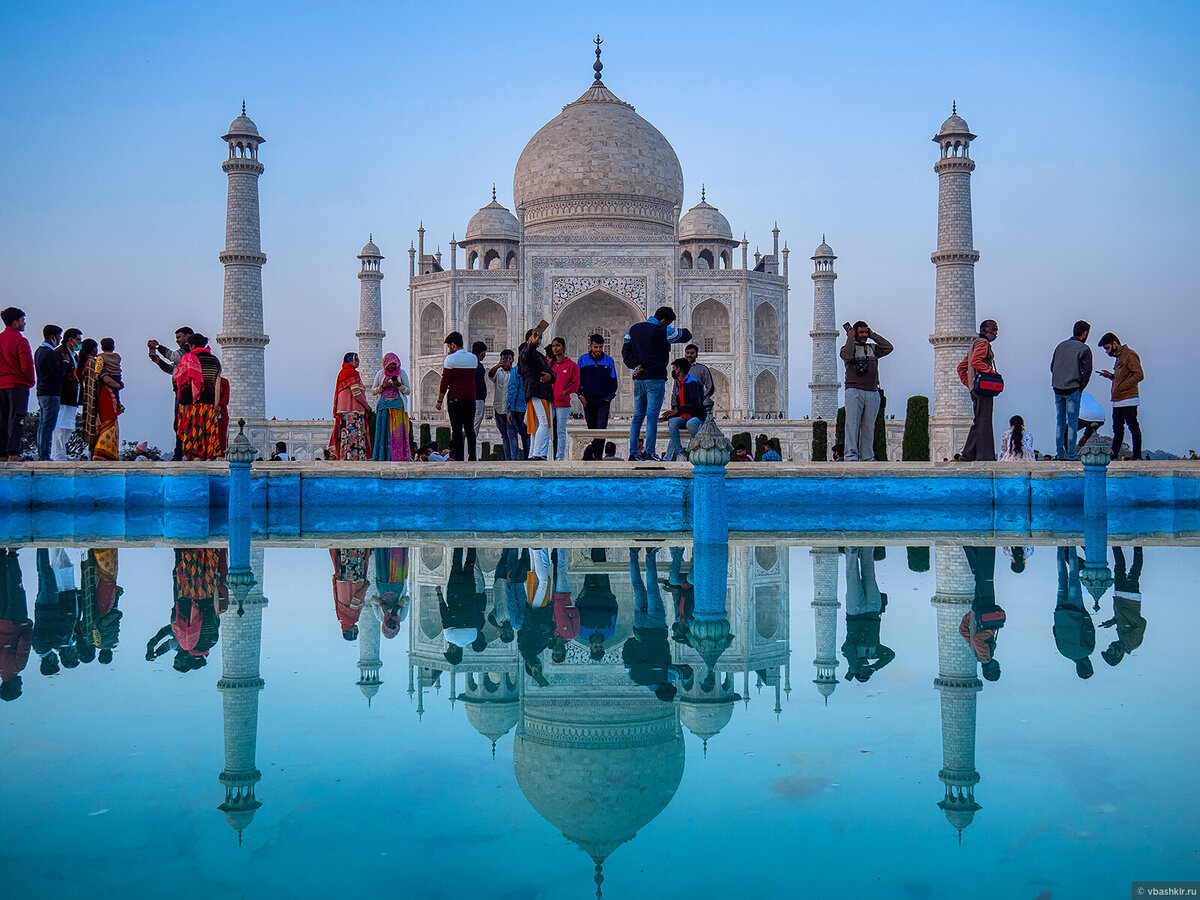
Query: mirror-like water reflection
[[440, 717]]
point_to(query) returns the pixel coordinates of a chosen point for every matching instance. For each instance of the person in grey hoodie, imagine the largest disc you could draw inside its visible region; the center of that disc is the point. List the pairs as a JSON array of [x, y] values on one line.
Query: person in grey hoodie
[[1070, 369]]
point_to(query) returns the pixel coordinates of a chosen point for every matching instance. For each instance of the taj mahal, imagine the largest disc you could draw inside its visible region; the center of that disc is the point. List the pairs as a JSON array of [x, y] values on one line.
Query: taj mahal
[[599, 239]]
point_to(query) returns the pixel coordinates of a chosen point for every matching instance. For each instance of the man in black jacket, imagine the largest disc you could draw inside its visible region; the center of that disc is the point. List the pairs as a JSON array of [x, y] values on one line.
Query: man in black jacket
[[647, 350], [48, 367], [538, 378], [687, 406]]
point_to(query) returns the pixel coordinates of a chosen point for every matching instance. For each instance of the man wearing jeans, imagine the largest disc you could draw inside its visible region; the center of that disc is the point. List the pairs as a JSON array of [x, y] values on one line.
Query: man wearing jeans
[[49, 370], [1125, 376], [861, 354], [1070, 369], [16, 378], [647, 350], [458, 380], [597, 387], [500, 374]]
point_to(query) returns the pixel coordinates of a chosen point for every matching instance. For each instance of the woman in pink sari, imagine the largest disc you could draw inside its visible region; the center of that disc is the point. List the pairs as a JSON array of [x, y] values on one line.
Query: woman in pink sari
[[351, 437], [393, 431]]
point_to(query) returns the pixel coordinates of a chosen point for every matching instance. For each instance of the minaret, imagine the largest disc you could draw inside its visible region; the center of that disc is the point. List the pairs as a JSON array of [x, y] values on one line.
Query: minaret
[[958, 684], [825, 381], [369, 662], [825, 615], [954, 324], [241, 643], [370, 332], [243, 343]]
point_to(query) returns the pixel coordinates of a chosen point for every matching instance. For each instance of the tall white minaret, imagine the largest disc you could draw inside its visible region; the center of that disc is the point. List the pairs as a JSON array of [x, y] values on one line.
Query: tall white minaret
[[824, 334], [958, 685], [954, 325], [370, 332], [243, 343], [241, 644], [825, 617]]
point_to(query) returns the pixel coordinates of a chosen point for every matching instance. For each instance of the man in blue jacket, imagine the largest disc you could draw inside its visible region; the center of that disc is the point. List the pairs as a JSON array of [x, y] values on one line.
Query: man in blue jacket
[[647, 351], [597, 387]]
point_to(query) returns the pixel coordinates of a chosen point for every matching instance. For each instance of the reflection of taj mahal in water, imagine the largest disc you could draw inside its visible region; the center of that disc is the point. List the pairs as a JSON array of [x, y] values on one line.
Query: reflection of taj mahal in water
[[590, 727], [600, 239]]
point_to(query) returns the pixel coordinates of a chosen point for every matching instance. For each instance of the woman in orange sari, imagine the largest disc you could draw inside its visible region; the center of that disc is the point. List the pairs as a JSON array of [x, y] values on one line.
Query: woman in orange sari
[[100, 409], [351, 435]]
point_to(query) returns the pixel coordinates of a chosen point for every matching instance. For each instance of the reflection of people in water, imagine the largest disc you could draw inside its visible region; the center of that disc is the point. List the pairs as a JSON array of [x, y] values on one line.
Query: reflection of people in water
[[537, 632], [391, 583], [597, 605], [55, 611], [683, 593], [201, 595], [1074, 633], [349, 588], [566, 616], [99, 618], [508, 593], [647, 654], [16, 629], [1127, 608], [1017, 557], [865, 604], [462, 607], [978, 627]]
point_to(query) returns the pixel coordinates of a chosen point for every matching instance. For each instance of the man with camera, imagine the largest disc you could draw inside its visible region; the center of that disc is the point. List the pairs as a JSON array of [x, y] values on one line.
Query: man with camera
[[861, 354]]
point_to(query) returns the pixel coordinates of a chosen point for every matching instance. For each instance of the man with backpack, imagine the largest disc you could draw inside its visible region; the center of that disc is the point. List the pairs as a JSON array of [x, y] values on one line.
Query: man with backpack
[[647, 351], [979, 361]]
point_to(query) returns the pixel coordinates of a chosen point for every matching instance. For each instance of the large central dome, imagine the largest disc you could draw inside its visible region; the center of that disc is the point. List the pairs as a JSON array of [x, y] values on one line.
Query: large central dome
[[598, 166]]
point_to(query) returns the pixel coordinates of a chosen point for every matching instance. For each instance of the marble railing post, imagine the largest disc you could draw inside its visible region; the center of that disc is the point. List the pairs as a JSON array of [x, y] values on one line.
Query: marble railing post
[[708, 453]]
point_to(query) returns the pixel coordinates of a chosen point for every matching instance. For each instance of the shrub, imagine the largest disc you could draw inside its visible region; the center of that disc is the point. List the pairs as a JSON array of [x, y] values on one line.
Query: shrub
[[443, 436], [820, 441], [839, 433], [916, 430], [881, 428], [918, 559], [426, 437]]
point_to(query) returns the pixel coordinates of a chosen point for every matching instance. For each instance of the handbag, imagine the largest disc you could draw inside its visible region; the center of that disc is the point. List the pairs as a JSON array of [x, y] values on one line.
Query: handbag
[[991, 383]]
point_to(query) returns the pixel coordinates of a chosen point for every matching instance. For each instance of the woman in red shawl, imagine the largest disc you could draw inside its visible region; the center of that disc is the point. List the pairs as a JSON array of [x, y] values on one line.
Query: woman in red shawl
[[351, 436]]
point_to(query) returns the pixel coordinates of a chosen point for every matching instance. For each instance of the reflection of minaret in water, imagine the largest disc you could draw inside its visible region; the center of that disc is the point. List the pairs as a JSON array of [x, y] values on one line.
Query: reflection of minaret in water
[[369, 661], [958, 684], [241, 643], [825, 608]]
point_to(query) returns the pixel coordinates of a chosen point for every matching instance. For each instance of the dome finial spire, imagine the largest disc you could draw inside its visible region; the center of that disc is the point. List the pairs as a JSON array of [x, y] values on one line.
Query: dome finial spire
[[597, 65], [954, 107], [702, 193], [243, 107], [493, 192]]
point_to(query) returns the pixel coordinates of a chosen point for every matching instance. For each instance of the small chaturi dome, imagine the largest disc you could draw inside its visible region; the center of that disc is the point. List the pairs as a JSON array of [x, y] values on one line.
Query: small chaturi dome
[[370, 250], [823, 251], [243, 126], [704, 222], [493, 222]]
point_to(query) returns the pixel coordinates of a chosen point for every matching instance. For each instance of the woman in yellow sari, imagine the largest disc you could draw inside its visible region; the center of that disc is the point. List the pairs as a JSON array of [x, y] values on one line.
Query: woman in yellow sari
[[100, 407]]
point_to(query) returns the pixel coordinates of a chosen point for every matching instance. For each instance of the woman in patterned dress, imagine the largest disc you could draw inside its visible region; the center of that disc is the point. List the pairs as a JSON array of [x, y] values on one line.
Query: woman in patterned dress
[[393, 436], [351, 436]]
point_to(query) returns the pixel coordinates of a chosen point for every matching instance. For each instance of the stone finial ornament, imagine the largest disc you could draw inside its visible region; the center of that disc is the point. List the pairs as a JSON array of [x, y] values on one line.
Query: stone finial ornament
[[241, 451], [709, 447], [1097, 451]]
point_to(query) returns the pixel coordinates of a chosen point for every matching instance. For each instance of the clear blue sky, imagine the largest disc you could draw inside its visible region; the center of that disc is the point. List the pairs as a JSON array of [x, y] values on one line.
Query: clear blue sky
[[815, 115]]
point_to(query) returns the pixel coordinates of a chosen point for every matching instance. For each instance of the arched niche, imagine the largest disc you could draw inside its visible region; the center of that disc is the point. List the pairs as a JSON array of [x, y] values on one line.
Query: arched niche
[[766, 394], [603, 312], [767, 614], [766, 330], [722, 394], [488, 322], [429, 391], [710, 326], [432, 329]]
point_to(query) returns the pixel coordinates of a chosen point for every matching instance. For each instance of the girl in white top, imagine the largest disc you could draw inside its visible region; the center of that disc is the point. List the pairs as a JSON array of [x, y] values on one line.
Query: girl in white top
[[1017, 442]]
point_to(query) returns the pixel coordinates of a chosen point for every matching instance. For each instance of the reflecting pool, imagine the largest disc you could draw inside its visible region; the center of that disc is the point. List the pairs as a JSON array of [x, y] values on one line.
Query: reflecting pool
[[630, 717]]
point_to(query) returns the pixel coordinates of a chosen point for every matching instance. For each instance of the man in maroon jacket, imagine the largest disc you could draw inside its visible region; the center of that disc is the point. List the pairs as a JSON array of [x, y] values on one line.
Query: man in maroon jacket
[[16, 378]]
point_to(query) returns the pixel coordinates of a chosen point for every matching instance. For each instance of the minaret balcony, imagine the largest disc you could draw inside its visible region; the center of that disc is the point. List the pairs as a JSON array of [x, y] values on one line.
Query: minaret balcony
[[236, 257], [940, 257]]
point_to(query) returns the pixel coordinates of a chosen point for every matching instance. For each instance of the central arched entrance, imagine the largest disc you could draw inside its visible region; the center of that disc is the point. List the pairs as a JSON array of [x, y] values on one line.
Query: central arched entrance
[[599, 312]]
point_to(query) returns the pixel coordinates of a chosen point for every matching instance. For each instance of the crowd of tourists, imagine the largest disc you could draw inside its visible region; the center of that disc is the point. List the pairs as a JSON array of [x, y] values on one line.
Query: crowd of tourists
[[78, 383], [1077, 414]]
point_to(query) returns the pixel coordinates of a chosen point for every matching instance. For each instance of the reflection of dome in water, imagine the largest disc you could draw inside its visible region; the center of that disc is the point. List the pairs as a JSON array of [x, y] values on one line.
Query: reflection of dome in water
[[705, 720], [492, 719], [599, 772]]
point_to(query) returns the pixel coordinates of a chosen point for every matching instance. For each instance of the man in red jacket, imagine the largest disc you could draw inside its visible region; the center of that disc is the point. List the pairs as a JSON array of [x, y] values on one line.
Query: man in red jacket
[[16, 629], [16, 378]]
